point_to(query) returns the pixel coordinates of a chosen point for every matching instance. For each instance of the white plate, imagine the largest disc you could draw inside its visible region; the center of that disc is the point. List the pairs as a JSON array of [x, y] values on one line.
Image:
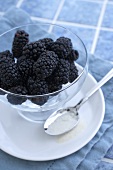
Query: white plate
[[27, 140]]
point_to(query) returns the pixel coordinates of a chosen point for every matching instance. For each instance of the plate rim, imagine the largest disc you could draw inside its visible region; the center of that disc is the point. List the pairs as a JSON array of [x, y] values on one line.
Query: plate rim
[[62, 155]]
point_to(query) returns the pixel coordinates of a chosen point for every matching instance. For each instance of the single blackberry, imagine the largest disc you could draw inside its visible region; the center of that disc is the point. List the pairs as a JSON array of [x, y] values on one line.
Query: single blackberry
[[45, 64], [34, 49], [73, 56], [6, 56], [2, 92], [21, 38], [66, 41], [37, 87], [16, 99], [39, 100], [60, 49], [9, 74], [47, 42], [25, 67], [61, 73], [73, 72]]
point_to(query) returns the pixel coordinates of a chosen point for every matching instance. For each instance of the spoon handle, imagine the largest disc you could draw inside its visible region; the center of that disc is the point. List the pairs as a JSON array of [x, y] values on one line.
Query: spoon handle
[[107, 77]]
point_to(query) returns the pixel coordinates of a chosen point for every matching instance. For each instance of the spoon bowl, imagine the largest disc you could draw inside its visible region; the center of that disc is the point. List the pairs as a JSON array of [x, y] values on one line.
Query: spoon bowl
[[56, 124]]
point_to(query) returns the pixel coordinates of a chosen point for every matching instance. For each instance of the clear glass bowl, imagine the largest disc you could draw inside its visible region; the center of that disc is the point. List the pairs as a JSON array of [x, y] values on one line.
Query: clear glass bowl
[[47, 103]]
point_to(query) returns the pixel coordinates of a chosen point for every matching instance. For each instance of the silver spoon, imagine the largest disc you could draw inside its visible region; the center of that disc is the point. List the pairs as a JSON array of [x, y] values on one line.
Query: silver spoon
[[63, 120]]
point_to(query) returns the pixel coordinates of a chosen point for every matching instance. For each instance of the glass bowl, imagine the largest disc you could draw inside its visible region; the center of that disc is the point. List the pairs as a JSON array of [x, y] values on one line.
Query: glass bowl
[[39, 107]]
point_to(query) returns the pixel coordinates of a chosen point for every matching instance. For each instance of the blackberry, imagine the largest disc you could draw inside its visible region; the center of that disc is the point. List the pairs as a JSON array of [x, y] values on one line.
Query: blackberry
[[37, 87], [47, 42], [61, 73], [6, 56], [73, 72], [45, 64], [25, 67], [2, 92], [39, 100], [73, 56], [21, 38], [34, 49], [66, 41], [9, 74], [60, 49], [15, 99]]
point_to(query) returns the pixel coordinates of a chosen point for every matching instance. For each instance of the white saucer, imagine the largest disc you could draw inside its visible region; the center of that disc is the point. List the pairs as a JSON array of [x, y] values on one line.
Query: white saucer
[[27, 140]]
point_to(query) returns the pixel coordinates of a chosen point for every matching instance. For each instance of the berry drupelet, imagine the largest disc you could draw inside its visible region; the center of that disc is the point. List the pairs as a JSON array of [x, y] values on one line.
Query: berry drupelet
[[45, 64], [21, 38], [16, 99], [33, 50]]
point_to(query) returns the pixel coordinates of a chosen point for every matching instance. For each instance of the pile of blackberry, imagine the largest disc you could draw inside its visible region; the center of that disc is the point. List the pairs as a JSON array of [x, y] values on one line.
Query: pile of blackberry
[[36, 68]]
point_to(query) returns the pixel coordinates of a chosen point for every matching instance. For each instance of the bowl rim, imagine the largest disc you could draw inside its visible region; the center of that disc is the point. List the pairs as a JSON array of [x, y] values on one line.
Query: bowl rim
[[58, 91]]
